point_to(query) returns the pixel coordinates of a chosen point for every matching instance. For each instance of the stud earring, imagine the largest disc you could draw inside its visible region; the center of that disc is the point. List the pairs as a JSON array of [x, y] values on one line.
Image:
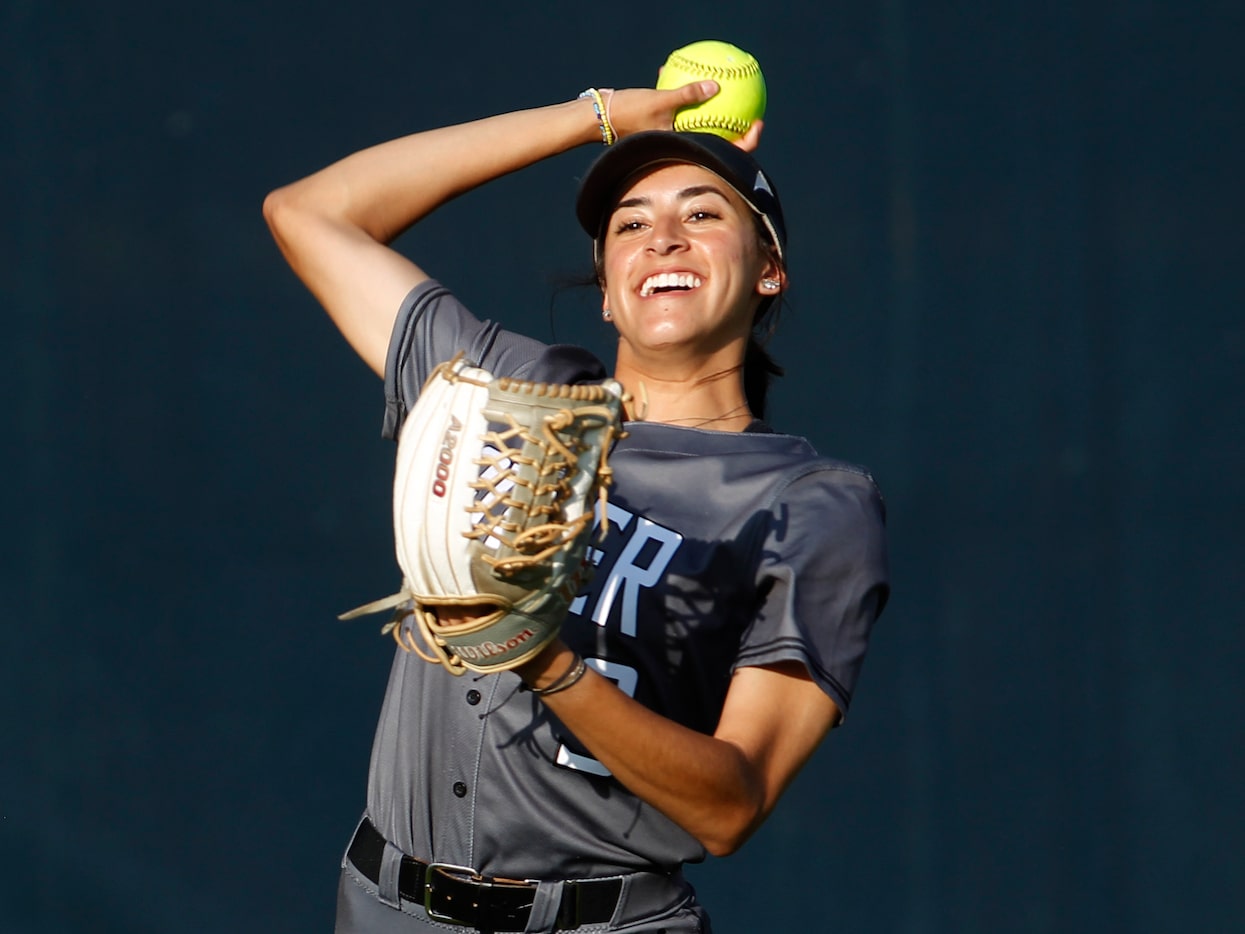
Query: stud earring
[[770, 284], [605, 315]]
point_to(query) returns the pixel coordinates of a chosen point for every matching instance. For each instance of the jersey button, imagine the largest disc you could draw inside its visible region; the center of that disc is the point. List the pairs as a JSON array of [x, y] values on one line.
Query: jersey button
[[460, 789], [473, 697]]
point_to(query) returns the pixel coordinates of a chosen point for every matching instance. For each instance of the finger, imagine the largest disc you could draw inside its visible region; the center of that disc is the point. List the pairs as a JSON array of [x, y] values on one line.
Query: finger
[[751, 139]]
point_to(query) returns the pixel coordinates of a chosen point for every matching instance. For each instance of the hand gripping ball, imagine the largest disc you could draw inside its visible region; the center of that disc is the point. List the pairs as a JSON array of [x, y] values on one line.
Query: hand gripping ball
[[740, 100]]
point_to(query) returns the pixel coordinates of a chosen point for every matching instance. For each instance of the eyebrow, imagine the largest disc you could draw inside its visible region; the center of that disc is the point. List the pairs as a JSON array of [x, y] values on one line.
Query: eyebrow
[[695, 191]]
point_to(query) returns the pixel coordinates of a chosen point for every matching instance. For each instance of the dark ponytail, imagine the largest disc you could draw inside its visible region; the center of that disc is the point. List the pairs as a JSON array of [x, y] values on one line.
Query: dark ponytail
[[760, 369]]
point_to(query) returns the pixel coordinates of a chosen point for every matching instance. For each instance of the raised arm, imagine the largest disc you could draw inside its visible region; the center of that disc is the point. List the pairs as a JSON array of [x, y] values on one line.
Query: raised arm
[[335, 226]]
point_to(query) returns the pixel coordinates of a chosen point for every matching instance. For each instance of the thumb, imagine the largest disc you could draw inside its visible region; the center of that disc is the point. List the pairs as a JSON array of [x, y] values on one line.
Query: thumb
[[698, 91]]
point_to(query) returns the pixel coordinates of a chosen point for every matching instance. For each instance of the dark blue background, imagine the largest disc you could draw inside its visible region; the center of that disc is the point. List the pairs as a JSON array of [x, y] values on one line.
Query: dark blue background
[[1016, 237]]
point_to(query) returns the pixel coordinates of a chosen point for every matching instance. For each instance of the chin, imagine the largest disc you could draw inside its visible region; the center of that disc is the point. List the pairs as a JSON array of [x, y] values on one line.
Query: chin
[[660, 338]]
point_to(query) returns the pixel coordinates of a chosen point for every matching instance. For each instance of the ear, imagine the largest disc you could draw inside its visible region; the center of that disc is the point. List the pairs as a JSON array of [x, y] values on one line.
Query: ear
[[773, 280]]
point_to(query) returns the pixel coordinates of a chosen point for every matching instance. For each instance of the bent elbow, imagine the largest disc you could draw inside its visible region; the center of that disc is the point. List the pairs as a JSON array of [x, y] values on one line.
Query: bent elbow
[[725, 844], [724, 847], [731, 831], [291, 219], [276, 209]]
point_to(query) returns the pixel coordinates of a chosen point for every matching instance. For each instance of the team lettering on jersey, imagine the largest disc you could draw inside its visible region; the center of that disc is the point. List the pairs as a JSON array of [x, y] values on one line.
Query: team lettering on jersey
[[628, 576], [644, 552]]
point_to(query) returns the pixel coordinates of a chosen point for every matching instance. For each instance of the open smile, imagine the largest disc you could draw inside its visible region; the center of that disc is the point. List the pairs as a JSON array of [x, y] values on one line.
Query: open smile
[[670, 282]]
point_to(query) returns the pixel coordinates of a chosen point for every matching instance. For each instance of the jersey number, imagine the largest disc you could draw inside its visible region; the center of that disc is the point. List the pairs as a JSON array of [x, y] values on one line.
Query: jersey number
[[643, 560]]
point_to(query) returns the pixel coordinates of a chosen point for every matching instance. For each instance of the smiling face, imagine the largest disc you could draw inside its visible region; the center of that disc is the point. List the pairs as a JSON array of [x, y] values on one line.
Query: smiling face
[[683, 265]]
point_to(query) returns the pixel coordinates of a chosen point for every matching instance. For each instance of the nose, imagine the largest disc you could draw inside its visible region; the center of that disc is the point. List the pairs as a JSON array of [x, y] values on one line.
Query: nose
[[666, 236]]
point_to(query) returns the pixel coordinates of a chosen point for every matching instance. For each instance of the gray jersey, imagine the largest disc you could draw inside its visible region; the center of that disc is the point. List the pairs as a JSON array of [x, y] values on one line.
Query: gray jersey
[[724, 550]]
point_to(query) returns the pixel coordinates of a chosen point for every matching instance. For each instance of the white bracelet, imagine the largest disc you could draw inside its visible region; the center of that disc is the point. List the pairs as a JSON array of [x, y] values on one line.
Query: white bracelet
[[601, 108]]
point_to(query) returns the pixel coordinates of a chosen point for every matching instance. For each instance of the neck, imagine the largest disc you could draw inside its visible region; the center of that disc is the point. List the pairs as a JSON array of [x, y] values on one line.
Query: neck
[[692, 399]]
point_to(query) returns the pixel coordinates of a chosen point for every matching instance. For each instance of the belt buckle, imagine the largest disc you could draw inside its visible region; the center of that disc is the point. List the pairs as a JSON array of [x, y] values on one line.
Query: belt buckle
[[449, 869], [483, 908]]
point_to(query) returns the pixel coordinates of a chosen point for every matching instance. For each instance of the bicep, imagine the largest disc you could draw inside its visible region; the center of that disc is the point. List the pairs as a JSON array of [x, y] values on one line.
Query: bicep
[[776, 716]]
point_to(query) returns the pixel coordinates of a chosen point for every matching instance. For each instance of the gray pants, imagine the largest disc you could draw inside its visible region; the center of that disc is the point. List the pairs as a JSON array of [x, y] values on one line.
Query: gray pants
[[641, 910]]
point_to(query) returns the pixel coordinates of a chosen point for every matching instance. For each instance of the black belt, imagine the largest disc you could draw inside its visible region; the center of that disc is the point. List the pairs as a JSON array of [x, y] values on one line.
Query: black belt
[[460, 896]]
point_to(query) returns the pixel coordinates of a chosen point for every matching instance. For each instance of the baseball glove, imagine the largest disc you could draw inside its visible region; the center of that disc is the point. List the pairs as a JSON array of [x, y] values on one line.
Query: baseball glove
[[493, 500]]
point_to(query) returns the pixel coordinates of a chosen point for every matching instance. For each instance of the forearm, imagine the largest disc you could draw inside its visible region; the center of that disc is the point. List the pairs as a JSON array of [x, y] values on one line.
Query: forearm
[[384, 189], [706, 785]]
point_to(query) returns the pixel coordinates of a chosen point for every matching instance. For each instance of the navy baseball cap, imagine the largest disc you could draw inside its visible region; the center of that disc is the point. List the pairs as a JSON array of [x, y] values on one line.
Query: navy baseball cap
[[601, 187]]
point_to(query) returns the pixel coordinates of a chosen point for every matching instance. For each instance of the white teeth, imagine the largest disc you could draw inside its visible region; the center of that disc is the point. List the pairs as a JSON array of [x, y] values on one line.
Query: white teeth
[[669, 280]]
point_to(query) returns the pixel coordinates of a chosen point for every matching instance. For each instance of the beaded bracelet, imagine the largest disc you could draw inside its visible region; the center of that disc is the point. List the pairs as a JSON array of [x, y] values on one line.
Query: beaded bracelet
[[603, 115], [567, 679]]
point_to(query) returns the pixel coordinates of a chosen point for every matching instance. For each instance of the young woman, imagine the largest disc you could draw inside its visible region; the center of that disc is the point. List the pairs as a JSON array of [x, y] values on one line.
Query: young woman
[[733, 596]]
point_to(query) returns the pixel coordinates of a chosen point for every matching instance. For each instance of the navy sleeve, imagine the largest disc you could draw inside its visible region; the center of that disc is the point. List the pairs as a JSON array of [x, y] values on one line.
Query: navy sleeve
[[824, 576], [433, 326]]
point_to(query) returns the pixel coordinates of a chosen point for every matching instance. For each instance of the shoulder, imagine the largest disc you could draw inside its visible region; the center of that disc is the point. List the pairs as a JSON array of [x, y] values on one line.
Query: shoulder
[[806, 475], [829, 481], [432, 320], [433, 326], [829, 500], [816, 501]]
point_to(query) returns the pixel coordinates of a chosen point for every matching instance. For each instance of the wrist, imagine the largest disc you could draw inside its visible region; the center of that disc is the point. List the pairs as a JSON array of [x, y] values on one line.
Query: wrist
[[556, 664], [568, 678], [600, 100]]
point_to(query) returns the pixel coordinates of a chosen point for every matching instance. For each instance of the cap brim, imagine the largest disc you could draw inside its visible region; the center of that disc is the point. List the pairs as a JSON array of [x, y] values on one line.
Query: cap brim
[[601, 186]]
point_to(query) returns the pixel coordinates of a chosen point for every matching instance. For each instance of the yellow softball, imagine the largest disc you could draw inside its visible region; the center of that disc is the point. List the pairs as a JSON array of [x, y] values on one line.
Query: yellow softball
[[741, 99]]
